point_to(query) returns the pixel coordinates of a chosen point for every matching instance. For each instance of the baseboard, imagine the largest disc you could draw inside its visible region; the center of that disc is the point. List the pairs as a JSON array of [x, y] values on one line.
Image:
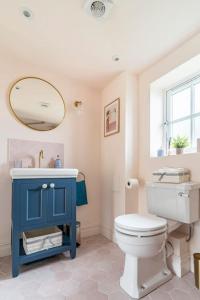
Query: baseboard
[[107, 232], [90, 231], [5, 250]]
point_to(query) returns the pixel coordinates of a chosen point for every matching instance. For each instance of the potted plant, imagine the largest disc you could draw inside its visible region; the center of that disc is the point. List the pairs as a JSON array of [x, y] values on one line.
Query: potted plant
[[179, 143]]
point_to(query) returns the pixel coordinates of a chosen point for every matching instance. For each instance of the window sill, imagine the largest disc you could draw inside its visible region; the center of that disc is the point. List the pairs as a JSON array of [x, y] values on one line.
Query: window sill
[[173, 154]]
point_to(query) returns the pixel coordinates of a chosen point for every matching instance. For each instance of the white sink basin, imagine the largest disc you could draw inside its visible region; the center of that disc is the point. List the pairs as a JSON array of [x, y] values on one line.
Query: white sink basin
[[20, 173]]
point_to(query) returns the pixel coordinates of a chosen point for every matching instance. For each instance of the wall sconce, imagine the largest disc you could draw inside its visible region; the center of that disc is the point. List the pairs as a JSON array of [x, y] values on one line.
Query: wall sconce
[[78, 106]]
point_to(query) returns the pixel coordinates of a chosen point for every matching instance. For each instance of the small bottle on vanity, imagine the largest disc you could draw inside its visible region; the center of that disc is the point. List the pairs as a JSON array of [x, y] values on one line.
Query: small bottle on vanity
[[58, 163]]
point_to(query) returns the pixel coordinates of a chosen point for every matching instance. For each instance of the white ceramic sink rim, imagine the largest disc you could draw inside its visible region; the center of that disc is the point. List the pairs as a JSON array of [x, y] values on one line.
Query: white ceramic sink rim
[[20, 173]]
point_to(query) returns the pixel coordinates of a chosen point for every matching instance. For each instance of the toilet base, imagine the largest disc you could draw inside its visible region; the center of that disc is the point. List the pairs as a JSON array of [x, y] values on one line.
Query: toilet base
[[143, 275]]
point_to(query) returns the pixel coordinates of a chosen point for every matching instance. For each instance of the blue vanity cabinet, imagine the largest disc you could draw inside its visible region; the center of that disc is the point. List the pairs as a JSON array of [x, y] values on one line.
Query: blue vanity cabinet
[[38, 203], [32, 202], [60, 201]]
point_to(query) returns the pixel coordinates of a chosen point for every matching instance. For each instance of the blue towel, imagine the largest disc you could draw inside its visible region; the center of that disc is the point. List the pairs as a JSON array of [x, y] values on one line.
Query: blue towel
[[81, 193]]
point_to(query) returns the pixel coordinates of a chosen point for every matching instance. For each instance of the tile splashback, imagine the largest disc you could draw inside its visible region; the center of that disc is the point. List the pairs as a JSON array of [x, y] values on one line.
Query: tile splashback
[[28, 151]]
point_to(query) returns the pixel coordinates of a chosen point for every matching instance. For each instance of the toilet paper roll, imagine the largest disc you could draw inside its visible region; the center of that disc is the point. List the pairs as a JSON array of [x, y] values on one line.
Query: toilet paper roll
[[132, 183]]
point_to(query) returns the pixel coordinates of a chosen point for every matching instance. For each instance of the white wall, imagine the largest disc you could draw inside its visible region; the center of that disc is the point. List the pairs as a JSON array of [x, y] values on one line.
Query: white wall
[[119, 152], [80, 135], [131, 141], [147, 164]]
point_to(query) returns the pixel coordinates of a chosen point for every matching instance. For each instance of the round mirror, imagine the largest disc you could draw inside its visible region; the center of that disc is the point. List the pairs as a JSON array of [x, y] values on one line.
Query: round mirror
[[37, 103]]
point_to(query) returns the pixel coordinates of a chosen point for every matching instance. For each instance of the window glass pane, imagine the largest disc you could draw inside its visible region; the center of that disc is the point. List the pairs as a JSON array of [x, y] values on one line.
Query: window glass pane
[[196, 130], [197, 98], [182, 128], [181, 104]]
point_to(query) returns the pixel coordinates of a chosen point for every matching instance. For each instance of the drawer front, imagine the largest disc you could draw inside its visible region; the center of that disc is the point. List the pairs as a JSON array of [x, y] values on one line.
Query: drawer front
[[33, 199], [61, 200]]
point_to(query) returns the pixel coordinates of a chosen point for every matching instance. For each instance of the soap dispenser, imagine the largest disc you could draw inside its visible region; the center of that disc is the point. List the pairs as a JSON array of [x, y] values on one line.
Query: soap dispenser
[[58, 163]]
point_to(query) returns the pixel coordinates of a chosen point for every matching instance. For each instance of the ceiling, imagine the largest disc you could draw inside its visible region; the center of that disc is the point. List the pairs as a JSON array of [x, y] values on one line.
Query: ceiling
[[63, 38]]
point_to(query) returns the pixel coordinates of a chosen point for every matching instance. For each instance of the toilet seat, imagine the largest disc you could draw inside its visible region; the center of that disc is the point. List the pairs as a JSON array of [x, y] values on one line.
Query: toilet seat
[[140, 225]]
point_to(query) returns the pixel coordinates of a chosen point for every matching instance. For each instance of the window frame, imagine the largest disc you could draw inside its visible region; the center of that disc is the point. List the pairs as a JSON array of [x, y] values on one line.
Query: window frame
[[167, 111]]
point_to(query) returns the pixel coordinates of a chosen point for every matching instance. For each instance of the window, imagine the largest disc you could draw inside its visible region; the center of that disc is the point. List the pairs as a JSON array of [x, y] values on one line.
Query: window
[[182, 112]]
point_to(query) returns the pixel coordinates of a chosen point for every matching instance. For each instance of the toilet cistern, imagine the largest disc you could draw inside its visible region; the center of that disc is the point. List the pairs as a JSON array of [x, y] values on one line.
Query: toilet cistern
[[41, 156]]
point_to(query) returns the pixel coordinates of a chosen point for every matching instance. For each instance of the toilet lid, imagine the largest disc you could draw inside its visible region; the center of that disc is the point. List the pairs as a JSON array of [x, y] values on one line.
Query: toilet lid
[[137, 222]]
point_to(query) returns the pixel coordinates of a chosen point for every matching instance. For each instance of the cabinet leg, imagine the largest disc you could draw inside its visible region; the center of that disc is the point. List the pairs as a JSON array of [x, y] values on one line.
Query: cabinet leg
[[73, 253], [15, 270], [15, 254], [73, 240]]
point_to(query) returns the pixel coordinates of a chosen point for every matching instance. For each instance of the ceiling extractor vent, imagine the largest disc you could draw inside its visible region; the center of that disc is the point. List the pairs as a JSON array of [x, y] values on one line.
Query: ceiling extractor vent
[[98, 9]]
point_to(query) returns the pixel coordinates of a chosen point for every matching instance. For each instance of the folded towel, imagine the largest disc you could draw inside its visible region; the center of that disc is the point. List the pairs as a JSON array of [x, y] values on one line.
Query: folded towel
[[81, 193]]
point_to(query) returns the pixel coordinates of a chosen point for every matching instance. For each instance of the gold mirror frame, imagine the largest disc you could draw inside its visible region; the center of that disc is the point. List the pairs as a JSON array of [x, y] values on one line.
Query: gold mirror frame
[[16, 116]]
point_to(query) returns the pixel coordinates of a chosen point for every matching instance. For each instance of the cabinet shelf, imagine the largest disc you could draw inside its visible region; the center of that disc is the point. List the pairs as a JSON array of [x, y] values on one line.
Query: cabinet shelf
[[24, 258]]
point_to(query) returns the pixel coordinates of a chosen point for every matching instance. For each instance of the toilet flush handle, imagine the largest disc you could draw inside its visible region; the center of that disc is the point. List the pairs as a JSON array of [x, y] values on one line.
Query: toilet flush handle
[[182, 194]]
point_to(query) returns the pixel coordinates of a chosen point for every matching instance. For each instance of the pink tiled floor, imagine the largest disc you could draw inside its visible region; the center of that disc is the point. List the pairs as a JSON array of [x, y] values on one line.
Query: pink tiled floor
[[93, 275]]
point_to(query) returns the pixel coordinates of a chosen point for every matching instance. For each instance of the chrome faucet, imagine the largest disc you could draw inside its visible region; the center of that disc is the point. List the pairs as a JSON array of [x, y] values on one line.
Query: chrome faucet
[[41, 156]]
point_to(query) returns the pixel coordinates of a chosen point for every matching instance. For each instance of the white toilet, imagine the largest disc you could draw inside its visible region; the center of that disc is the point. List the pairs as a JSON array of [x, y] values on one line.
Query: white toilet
[[142, 237]]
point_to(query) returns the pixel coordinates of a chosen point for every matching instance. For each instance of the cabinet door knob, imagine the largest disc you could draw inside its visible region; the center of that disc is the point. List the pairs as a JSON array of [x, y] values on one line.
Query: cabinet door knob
[[52, 185], [44, 186]]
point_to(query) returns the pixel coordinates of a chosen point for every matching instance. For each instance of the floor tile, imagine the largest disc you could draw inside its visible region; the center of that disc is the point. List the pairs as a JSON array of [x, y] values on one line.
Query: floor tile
[[93, 275]]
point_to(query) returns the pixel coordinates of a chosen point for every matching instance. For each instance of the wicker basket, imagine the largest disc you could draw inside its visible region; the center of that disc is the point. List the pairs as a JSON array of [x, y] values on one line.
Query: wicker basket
[[169, 175], [42, 239]]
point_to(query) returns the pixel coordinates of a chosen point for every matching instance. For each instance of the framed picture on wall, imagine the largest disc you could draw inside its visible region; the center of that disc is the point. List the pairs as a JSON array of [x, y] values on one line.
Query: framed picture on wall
[[112, 118]]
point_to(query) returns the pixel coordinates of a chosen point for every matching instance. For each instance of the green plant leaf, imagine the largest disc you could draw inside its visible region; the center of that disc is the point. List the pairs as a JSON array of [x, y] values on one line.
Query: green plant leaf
[[180, 142]]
